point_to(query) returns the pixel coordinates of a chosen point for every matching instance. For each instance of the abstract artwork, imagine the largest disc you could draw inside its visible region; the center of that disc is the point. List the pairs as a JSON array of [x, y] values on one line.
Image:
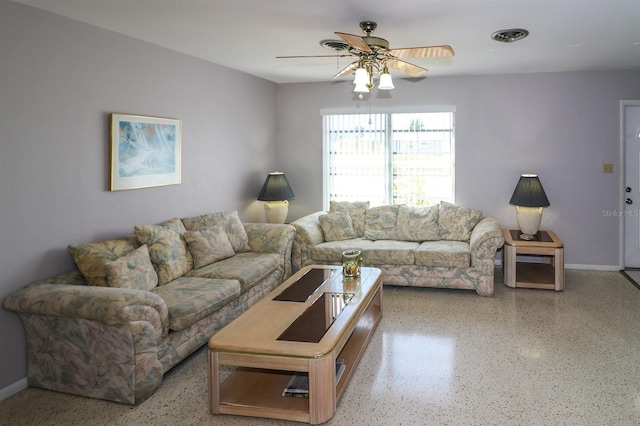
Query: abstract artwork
[[145, 151]]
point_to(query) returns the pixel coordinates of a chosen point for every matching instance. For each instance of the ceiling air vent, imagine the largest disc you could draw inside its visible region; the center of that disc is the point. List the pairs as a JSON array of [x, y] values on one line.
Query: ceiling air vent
[[336, 45], [509, 36]]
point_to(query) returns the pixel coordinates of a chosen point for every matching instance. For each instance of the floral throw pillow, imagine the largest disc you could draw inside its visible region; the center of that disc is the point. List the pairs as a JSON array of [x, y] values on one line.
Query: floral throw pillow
[[380, 223], [209, 245], [133, 270], [337, 226], [455, 223], [231, 223], [418, 223], [168, 250], [90, 258], [356, 210]]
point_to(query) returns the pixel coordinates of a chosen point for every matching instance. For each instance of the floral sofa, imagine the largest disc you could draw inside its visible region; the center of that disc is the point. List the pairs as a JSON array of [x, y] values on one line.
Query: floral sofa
[[139, 304], [439, 246]]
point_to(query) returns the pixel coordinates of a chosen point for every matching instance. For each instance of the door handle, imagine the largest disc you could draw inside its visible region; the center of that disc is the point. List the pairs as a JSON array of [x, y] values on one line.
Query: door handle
[[629, 201], [628, 189]]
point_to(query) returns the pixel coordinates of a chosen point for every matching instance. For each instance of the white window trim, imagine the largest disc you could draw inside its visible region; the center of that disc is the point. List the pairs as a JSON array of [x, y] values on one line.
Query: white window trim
[[389, 112]]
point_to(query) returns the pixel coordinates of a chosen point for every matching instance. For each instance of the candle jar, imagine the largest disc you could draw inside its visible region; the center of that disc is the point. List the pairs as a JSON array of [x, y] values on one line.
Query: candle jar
[[351, 263]]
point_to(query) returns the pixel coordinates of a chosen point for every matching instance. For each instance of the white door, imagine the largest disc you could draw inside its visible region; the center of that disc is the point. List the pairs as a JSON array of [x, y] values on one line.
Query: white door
[[631, 113]]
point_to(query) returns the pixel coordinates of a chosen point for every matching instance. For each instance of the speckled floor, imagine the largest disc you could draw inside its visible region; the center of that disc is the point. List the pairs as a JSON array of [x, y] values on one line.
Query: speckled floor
[[440, 357]]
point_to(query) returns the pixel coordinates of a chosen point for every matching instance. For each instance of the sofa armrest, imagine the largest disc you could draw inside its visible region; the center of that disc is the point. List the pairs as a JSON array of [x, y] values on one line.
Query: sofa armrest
[[486, 239], [111, 306], [308, 235], [272, 238]]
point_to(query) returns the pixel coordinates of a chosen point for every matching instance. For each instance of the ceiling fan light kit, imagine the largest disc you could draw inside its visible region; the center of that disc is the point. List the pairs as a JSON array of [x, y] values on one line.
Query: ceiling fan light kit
[[374, 58]]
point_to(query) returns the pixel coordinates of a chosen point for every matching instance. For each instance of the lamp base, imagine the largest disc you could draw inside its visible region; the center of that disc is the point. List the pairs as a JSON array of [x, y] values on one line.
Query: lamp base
[[529, 219], [276, 211]]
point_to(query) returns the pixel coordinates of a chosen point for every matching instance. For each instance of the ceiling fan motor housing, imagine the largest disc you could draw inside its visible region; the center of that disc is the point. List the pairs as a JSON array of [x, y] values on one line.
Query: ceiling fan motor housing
[[376, 43]]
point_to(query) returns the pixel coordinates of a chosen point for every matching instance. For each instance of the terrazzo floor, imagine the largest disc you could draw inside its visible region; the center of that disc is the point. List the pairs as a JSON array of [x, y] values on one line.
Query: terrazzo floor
[[439, 357]]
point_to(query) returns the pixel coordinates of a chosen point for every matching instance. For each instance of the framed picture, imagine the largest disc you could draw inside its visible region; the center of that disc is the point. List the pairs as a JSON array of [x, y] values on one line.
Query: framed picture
[[145, 151]]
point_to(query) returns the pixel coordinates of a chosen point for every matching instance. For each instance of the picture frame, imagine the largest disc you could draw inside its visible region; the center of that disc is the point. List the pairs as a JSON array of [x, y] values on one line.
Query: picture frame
[[145, 151]]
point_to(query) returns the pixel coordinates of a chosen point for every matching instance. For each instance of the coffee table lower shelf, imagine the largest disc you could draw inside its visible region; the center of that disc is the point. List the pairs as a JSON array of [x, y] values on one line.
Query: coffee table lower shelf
[[255, 386]]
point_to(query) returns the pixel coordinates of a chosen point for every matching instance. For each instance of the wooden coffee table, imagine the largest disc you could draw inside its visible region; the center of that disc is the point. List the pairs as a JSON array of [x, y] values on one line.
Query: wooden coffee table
[[305, 325]]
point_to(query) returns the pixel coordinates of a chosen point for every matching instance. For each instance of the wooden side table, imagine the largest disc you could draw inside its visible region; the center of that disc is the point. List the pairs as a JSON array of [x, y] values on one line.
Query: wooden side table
[[548, 274]]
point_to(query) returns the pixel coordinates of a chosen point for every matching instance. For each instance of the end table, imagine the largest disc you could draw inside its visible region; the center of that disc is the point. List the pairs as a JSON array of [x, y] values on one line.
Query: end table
[[548, 274]]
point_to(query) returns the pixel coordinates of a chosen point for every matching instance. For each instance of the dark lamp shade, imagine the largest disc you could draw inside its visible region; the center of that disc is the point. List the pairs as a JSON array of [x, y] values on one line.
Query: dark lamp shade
[[529, 193], [276, 188]]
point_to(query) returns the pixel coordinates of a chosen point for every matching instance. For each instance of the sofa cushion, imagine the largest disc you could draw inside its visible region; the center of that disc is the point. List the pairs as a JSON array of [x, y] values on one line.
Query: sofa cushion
[[450, 254], [91, 257], [134, 270], [337, 226], [167, 249], [455, 223], [417, 223], [332, 251], [208, 245], [356, 210], [389, 252], [380, 223], [190, 299], [229, 220], [247, 268]]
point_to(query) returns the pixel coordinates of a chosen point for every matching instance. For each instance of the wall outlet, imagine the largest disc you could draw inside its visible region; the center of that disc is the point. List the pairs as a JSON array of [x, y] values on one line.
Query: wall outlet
[[607, 168]]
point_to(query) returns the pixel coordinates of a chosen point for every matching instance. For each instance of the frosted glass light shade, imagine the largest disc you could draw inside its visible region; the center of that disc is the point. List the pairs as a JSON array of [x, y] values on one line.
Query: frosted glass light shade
[[362, 77], [386, 83], [361, 88]]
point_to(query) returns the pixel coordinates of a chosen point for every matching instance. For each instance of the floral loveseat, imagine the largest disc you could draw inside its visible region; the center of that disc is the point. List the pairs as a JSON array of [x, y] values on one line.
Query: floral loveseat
[[439, 246], [139, 304]]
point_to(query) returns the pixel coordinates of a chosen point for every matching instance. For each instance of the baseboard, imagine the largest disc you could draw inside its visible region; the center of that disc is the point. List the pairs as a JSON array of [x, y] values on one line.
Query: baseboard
[[13, 389], [612, 268]]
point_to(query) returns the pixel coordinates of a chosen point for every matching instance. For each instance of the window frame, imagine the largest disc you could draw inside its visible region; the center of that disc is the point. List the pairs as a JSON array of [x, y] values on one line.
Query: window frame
[[388, 146]]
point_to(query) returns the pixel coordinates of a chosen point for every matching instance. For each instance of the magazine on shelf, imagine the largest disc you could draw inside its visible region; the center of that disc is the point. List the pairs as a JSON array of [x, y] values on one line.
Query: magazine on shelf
[[298, 386]]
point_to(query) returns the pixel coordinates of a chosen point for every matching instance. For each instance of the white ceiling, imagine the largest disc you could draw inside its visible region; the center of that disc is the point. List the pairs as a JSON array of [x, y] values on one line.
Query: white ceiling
[[247, 35]]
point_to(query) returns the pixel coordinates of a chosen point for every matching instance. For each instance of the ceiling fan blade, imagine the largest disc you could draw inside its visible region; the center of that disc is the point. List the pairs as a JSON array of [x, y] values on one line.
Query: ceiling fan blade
[[406, 67], [355, 41], [313, 56], [347, 70], [423, 52]]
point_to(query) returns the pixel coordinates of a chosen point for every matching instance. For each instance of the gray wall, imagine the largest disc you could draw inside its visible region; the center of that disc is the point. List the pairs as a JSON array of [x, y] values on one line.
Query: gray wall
[[59, 81], [562, 126]]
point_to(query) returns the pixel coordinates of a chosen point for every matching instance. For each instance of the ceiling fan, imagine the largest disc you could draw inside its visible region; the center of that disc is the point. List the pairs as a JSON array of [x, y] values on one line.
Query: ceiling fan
[[374, 58]]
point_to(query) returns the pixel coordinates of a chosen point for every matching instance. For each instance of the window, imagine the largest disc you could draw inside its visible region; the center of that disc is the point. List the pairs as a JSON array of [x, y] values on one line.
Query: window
[[404, 158]]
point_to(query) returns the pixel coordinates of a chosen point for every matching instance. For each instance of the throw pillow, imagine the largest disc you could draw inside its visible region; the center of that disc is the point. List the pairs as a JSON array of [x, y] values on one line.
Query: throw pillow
[[380, 223], [231, 223], [356, 210], [418, 223], [209, 245], [168, 251], [455, 223], [337, 226], [91, 257], [133, 270]]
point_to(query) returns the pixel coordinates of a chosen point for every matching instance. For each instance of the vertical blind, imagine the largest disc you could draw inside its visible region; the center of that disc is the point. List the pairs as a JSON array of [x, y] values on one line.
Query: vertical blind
[[404, 158]]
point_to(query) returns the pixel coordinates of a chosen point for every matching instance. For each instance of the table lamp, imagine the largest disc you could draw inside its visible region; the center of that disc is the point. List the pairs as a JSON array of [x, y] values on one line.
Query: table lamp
[[277, 192], [529, 199]]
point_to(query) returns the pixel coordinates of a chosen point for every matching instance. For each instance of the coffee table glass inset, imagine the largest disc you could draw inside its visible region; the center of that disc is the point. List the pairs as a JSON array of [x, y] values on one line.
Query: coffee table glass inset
[[317, 318], [302, 288], [264, 364]]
